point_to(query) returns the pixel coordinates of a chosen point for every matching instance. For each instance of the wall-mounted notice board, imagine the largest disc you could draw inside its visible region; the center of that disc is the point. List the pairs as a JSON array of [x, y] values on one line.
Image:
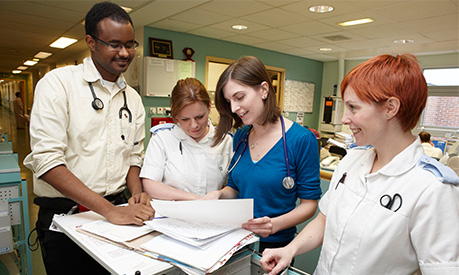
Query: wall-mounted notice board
[[298, 96], [161, 75]]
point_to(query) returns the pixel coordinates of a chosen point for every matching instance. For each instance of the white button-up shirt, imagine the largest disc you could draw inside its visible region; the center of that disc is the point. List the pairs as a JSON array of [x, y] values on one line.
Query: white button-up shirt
[[174, 158], [66, 130], [363, 237]]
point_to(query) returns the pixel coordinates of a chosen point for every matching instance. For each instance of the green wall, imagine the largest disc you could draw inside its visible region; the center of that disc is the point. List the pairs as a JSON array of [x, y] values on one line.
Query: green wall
[[297, 68]]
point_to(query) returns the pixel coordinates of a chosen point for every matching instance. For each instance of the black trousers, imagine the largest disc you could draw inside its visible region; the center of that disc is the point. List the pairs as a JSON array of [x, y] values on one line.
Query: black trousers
[[60, 254]]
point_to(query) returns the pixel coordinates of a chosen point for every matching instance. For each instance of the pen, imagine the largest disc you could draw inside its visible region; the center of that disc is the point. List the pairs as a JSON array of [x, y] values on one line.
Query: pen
[[341, 180], [180, 148]]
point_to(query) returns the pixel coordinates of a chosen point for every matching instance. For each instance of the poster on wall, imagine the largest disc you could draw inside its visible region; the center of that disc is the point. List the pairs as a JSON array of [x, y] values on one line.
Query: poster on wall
[[298, 96]]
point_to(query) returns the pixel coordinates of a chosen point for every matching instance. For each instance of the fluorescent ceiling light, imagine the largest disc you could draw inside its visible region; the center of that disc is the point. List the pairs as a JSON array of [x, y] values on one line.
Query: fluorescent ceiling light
[[403, 41], [325, 49], [356, 22], [239, 27], [63, 42], [43, 55], [321, 9], [16, 71], [126, 9], [22, 68], [30, 63]]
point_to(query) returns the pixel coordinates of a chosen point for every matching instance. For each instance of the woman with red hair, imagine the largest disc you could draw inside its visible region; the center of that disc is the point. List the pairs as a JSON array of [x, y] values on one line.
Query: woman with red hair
[[390, 209]]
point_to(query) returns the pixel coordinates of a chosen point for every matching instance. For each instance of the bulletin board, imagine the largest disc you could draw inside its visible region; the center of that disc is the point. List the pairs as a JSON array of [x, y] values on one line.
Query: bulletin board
[[161, 75], [298, 96]]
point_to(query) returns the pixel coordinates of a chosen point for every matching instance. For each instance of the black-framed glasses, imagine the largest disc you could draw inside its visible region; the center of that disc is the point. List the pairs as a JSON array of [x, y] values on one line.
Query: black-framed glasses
[[117, 46]]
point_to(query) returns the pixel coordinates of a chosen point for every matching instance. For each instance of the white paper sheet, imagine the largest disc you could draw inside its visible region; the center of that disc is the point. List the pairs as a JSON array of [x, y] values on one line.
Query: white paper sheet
[[117, 233], [202, 259], [235, 212]]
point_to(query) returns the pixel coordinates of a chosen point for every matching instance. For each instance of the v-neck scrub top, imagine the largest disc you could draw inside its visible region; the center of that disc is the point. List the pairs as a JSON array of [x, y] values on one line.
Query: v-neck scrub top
[[174, 158], [262, 180], [363, 237]]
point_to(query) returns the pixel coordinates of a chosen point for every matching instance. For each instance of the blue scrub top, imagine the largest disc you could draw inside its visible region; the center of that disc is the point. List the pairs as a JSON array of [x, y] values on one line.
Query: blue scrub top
[[262, 180]]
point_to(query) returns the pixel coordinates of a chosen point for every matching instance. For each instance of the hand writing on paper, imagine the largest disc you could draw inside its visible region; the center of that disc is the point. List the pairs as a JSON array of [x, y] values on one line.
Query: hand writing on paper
[[132, 214], [261, 226]]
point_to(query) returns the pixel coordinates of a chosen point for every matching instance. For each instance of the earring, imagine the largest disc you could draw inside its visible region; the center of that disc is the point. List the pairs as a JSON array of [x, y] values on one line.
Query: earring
[[264, 97]]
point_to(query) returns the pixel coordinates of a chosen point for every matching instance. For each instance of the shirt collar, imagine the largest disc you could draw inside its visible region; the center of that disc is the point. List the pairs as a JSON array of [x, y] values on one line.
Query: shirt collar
[[180, 134], [404, 161], [91, 74]]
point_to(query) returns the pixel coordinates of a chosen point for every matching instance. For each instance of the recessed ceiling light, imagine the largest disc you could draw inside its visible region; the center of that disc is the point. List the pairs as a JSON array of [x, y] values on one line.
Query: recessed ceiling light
[[30, 63], [22, 68], [239, 27], [356, 22], [403, 41], [16, 71], [321, 9], [325, 49], [63, 42], [43, 55]]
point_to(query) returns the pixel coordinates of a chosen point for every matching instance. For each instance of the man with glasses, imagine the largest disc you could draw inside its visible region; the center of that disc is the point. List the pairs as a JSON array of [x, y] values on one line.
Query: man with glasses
[[87, 131]]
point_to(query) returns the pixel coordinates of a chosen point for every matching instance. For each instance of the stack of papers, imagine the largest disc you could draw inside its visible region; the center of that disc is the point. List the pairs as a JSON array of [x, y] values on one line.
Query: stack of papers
[[198, 236], [192, 233]]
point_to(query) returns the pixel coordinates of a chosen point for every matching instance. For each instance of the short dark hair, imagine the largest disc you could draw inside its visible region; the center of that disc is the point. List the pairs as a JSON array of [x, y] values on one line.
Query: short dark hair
[[104, 10], [424, 136]]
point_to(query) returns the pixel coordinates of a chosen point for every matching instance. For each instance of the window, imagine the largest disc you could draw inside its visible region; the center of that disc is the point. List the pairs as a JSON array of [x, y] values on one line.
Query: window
[[441, 115]]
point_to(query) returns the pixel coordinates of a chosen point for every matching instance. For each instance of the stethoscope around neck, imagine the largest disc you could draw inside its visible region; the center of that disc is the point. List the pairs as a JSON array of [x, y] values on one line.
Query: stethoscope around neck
[[288, 182], [98, 104]]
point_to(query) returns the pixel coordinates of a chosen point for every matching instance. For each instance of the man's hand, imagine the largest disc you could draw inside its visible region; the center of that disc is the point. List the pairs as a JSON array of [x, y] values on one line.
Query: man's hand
[[131, 214]]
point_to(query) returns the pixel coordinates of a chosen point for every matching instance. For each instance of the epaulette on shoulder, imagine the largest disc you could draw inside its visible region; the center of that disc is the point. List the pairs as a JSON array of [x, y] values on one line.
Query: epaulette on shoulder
[[356, 147], [442, 172], [160, 127]]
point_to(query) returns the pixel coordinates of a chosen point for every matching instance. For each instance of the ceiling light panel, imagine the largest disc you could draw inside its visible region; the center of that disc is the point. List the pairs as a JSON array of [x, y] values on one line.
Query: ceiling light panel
[[43, 55], [321, 9], [30, 63], [356, 22], [63, 42]]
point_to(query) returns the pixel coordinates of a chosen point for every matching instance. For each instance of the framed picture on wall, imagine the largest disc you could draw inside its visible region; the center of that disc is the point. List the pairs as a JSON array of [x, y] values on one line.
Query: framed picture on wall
[[161, 48]]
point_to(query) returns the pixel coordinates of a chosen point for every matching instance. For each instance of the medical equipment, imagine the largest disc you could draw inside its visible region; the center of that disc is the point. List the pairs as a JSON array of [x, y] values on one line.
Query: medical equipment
[[98, 104], [387, 201], [331, 114], [288, 182]]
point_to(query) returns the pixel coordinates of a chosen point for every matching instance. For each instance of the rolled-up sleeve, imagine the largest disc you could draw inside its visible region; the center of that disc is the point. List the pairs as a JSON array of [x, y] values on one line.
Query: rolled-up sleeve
[[48, 126]]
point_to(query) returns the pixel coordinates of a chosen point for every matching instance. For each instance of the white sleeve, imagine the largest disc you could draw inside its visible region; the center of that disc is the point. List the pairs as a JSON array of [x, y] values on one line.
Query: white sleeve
[[434, 230], [154, 163], [48, 125]]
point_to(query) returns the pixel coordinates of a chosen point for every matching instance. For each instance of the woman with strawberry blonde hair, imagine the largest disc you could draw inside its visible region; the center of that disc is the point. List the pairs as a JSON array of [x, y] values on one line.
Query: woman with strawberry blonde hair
[[390, 209]]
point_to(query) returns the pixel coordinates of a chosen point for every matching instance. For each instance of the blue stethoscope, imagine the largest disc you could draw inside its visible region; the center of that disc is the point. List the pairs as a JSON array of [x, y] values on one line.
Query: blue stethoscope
[[288, 182]]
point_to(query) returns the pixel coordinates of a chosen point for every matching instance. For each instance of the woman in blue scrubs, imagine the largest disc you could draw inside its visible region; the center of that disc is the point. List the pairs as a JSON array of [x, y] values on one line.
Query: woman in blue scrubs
[[267, 149]]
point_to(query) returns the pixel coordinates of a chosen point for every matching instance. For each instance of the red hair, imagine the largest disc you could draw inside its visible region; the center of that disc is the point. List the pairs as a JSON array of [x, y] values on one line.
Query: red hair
[[385, 76]]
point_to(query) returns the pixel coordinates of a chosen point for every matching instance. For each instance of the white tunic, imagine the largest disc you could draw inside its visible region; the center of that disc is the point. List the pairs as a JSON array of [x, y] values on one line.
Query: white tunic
[[174, 158], [363, 237]]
